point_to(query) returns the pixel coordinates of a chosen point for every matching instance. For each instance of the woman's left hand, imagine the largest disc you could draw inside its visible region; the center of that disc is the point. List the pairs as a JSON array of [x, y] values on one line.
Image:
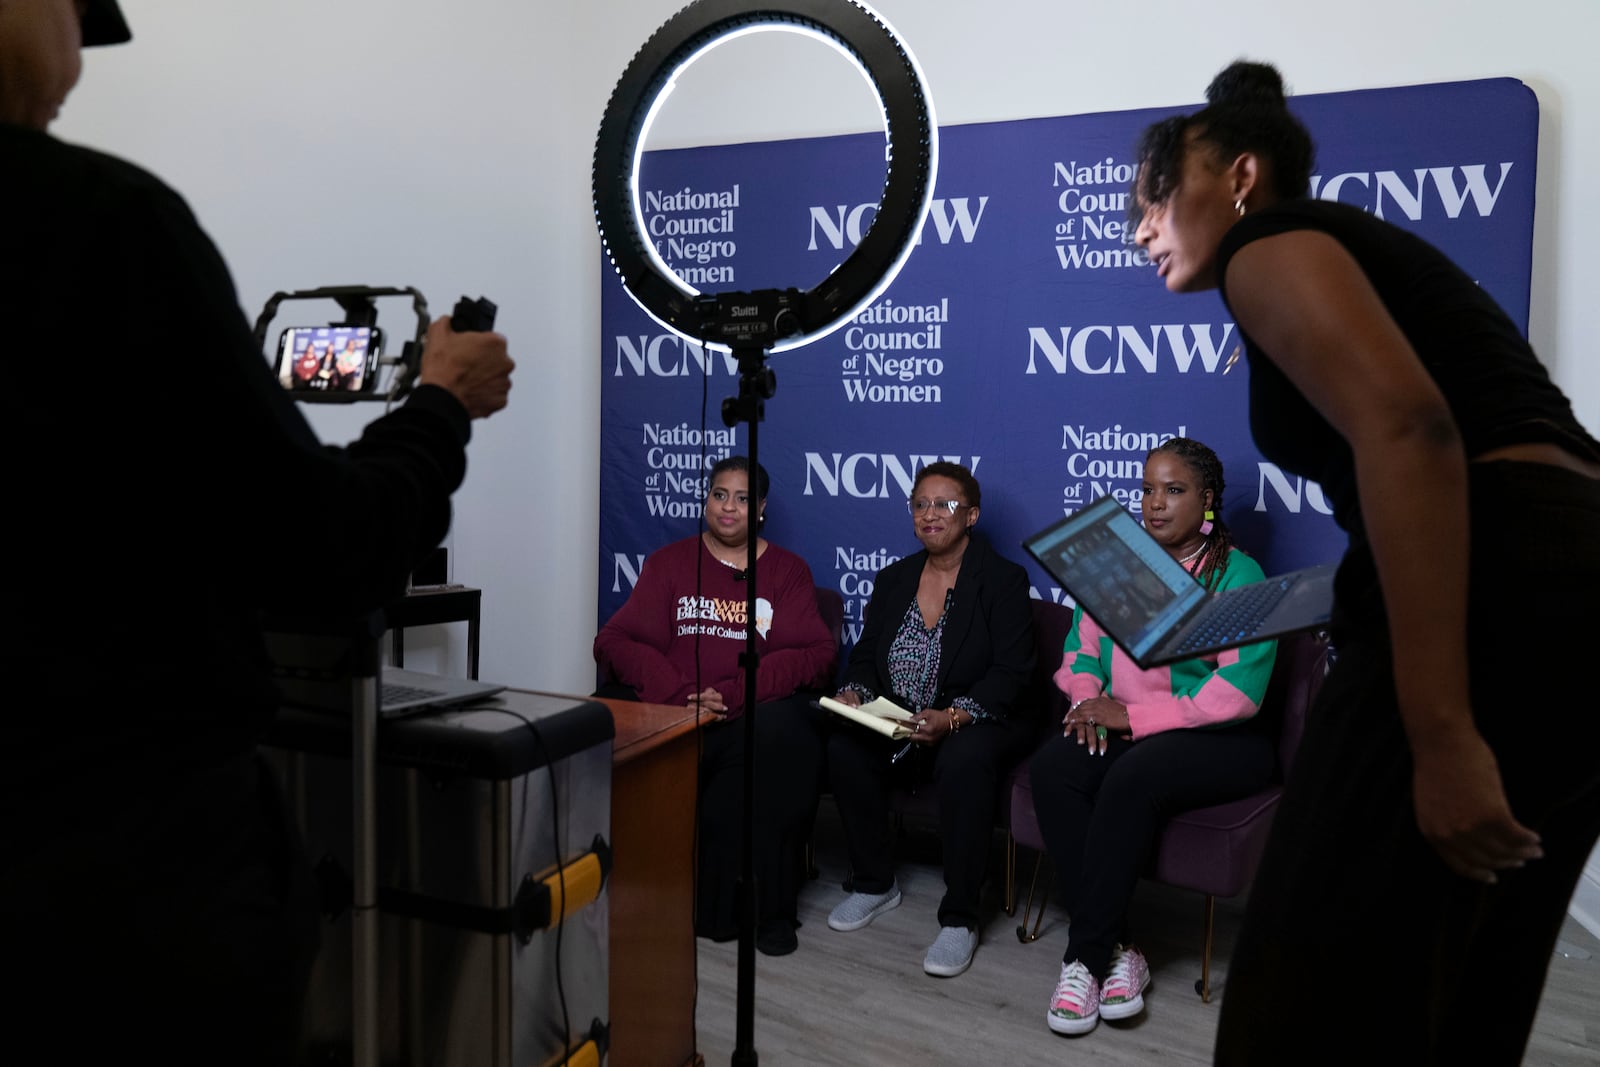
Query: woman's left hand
[[932, 725], [1462, 809], [1095, 720]]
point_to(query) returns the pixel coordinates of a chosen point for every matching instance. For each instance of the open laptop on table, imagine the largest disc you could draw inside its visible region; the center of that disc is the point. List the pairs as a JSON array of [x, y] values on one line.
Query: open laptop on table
[[315, 671], [403, 692], [1152, 607]]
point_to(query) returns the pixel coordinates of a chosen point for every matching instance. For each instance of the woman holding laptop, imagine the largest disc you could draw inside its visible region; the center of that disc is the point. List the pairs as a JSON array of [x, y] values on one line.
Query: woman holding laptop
[[1446, 795]]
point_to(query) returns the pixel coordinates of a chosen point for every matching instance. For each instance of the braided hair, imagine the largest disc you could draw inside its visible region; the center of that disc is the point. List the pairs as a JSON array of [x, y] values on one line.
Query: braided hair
[[1207, 468]]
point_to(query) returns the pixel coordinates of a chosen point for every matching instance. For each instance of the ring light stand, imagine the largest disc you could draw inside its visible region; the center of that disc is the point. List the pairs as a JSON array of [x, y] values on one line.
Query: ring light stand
[[753, 324]]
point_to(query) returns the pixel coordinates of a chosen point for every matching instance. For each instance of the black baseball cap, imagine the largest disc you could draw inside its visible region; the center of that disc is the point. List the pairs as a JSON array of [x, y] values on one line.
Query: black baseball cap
[[103, 24]]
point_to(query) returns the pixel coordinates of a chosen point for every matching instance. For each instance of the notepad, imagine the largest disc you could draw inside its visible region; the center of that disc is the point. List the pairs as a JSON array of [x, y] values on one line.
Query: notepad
[[882, 715]]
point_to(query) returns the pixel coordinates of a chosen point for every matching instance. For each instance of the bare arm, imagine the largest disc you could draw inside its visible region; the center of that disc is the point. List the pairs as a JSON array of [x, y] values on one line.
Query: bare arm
[[1304, 299]]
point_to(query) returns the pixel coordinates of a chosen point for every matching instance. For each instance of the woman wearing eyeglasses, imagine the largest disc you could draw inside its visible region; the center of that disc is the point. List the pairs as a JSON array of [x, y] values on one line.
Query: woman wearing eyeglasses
[[948, 635], [677, 640]]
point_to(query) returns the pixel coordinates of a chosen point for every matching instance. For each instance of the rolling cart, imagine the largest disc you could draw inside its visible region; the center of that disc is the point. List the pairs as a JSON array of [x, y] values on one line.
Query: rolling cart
[[463, 857]]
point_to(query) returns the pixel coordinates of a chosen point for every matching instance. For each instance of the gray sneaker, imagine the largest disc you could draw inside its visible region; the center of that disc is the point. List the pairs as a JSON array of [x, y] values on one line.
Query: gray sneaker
[[951, 952], [859, 909]]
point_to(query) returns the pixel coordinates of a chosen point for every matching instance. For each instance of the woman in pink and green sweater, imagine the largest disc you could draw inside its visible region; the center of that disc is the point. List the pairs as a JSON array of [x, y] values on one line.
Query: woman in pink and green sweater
[[1139, 746]]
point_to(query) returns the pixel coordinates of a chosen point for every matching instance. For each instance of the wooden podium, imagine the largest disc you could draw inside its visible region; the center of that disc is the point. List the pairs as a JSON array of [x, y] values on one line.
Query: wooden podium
[[655, 760]]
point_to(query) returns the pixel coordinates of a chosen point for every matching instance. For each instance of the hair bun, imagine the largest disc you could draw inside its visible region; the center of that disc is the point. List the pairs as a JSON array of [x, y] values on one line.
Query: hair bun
[[1247, 84]]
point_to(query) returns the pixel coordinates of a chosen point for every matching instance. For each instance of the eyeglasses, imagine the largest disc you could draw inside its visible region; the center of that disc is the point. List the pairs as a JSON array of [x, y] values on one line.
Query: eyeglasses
[[949, 507]]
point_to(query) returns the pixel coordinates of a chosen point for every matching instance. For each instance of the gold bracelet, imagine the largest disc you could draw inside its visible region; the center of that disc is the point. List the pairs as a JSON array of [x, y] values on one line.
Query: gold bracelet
[[954, 725]]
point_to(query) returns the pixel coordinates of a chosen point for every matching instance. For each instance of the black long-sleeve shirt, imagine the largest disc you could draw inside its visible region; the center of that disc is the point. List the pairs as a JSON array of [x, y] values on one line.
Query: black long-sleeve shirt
[[163, 489]]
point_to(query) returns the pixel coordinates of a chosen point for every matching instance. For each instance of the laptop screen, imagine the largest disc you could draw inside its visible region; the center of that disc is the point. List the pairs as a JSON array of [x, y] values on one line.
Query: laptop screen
[[1118, 573]]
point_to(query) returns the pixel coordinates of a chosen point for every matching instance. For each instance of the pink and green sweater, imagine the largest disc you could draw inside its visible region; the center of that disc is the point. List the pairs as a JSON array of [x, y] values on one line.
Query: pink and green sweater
[[1208, 691]]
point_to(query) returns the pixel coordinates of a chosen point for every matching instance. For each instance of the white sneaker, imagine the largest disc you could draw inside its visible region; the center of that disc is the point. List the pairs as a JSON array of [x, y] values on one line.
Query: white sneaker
[[951, 952], [859, 909]]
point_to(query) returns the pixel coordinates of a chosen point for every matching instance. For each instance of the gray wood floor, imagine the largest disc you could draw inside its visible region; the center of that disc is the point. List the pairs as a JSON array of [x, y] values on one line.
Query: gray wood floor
[[862, 998]]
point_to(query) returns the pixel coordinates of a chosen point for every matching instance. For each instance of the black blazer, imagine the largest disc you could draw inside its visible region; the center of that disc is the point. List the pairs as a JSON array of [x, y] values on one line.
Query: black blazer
[[988, 649]]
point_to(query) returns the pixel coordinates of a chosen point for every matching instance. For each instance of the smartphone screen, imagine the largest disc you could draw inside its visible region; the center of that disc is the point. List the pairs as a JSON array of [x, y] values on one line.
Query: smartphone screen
[[335, 359]]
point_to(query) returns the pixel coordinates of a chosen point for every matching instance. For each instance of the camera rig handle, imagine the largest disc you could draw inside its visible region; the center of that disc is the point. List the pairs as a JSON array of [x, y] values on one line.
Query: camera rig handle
[[473, 315], [468, 315]]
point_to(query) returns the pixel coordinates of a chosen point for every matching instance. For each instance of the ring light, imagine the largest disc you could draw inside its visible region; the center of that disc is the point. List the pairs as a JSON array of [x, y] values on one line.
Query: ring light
[[862, 36]]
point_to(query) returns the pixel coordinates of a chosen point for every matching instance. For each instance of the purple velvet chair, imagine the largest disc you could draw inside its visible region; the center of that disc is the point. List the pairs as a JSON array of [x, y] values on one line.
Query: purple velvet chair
[[1212, 850], [1052, 623], [830, 605]]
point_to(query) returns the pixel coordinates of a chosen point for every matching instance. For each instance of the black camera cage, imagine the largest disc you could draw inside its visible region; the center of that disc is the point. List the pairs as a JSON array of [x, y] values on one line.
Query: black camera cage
[[360, 309]]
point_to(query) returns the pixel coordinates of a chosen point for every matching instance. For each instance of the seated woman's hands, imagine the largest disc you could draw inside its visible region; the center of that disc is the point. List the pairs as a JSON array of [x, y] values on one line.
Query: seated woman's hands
[[708, 702], [933, 725], [1095, 720], [929, 726]]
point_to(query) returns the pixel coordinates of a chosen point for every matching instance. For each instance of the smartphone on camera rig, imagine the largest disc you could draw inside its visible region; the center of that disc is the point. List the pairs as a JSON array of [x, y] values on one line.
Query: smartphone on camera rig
[[343, 361], [337, 359]]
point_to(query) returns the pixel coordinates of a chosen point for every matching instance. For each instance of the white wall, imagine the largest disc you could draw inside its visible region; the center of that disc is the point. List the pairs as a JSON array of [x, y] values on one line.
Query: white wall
[[448, 146]]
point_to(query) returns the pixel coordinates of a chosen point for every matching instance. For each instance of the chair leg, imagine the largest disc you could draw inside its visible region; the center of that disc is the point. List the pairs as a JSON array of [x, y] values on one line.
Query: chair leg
[[1203, 986], [1011, 875], [1022, 929]]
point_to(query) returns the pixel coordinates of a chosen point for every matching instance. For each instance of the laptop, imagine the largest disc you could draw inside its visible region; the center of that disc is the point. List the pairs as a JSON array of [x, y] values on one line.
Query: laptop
[[1152, 607], [404, 692], [316, 671]]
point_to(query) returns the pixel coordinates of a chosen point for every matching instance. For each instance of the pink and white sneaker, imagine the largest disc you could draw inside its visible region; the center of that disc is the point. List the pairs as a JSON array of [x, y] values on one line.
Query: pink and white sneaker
[[1122, 996], [1075, 1005]]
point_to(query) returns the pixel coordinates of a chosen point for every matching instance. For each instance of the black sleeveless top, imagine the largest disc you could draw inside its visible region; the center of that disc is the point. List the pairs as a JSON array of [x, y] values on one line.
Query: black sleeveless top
[[1498, 391]]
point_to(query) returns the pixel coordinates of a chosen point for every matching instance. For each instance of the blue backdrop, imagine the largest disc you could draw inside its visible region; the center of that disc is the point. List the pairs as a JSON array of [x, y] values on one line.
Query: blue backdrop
[[1026, 337]]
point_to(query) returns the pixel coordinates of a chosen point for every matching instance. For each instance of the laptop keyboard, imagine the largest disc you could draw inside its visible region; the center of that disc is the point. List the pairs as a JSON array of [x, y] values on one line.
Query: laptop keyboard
[[396, 694], [1241, 614]]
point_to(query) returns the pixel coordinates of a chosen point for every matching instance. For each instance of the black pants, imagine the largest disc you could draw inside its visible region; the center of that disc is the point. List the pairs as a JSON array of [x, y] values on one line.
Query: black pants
[[1351, 905], [787, 776], [178, 924], [1099, 815], [967, 769]]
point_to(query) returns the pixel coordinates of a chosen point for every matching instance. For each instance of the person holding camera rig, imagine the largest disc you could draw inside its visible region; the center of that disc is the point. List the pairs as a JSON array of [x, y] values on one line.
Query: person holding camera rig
[[153, 897]]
